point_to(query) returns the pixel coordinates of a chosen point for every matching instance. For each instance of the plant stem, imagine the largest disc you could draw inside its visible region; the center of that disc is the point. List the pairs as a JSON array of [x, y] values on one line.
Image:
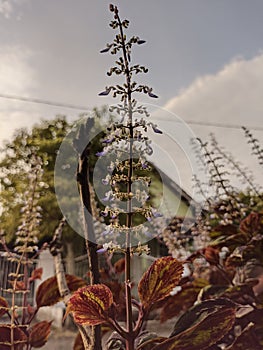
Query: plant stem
[[64, 291], [130, 340], [85, 196]]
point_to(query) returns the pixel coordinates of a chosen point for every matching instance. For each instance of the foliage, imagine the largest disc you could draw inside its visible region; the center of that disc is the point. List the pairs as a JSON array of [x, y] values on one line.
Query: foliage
[[219, 303], [43, 140], [229, 263], [210, 321]]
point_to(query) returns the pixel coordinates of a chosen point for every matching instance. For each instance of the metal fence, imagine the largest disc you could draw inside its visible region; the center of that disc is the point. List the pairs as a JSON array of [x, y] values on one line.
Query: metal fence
[[8, 266]]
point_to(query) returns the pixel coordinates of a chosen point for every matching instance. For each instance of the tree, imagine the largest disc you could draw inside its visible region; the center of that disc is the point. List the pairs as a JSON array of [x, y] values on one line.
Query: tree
[[44, 140]]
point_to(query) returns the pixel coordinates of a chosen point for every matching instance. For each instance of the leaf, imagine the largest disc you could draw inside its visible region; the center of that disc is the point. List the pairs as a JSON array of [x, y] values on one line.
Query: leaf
[[39, 333], [119, 266], [183, 300], [246, 340], [90, 304], [18, 285], [159, 280], [3, 306], [36, 274], [204, 334], [251, 224], [48, 292], [198, 312], [146, 340], [211, 255], [5, 337], [78, 343]]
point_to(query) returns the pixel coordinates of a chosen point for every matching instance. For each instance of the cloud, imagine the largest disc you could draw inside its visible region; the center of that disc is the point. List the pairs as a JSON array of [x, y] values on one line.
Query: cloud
[[232, 95], [17, 78], [6, 8]]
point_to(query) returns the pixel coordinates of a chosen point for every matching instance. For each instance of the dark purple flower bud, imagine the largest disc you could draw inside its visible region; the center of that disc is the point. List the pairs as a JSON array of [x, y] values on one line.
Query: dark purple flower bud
[[140, 42], [144, 165], [104, 93], [105, 181], [149, 218], [156, 130], [100, 154], [111, 8], [105, 50], [150, 94], [104, 213]]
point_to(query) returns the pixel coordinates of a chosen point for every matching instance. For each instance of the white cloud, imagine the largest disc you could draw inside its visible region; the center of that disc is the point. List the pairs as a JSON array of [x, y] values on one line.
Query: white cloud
[[17, 78], [6, 8], [16, 74], [233, 95], [10, 8]]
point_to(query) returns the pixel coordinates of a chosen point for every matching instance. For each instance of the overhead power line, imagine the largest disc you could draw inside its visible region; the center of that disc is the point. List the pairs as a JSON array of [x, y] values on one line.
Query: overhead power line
[[44, 102], [85, 108]]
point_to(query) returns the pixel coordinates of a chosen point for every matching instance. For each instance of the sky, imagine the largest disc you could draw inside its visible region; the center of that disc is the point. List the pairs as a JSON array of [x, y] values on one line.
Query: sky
[[205, 61]]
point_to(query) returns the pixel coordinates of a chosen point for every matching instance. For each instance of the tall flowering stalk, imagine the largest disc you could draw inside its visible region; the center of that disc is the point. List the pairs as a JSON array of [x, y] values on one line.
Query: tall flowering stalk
[[129, 215], [129, 131], [18, 333]]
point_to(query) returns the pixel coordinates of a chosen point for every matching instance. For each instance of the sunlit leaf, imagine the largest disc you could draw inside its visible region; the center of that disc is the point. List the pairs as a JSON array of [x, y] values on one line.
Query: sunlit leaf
[[48, 292], [39, 333], [89, 305], [159, 280], [3, 306], [204, 334]]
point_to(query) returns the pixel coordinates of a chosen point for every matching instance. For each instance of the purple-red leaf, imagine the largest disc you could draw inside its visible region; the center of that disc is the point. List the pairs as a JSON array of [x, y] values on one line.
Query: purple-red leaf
[[78, 343], [211, 255], [159, 280], [90, 304], [48, 292], [3, 306], [183, 300], [36, 274], [39, 333], [204, 334], [19, 337], [251, 224]]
